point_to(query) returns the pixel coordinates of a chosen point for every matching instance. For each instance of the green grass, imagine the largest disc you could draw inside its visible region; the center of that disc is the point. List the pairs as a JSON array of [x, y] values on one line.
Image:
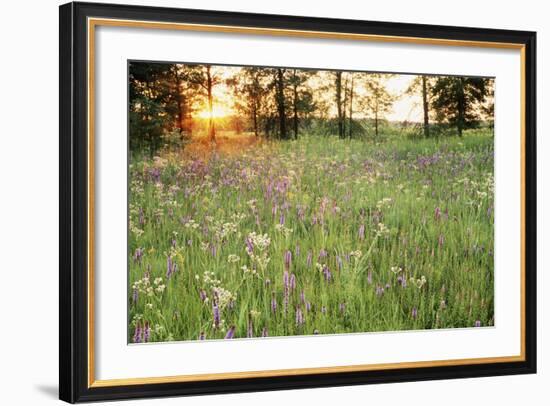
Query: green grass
[[426, 207]]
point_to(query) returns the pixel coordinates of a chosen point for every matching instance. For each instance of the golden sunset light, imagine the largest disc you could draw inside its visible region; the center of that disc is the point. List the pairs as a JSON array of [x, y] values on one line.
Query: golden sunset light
[[218, 111]]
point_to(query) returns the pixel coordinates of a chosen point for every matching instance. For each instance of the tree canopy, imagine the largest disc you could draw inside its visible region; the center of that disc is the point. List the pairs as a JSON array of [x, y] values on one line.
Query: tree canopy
[[182, 100]]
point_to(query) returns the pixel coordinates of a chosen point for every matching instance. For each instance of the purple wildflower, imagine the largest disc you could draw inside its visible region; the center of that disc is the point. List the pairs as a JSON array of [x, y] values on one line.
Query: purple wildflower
[[202, 295], [309, 258], [216, 314], [265, 332], [213, 250], [285, 280], [339, 262], [414, 313], [249, 246], [292, 282], [169, 267], [302, 297], [137, 333], [138, 255], [362, 232], [202, 336], [326, 273], [146, 332], [299, 317], [282, 219], [230, 333], [369, 277], [308, 306], [322, 254], [477, 323], [288, 259], [273, 303], [342, 308]]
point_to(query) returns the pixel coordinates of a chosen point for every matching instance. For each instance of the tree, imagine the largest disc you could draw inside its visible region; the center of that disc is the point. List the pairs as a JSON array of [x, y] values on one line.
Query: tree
[[458, 100], [280, 99], [152, 103], [339, 102], [204, 77], [423, 84], [302, 96], [425, 107], [185, 86], [351, 105], [377, 101], [250, 90]]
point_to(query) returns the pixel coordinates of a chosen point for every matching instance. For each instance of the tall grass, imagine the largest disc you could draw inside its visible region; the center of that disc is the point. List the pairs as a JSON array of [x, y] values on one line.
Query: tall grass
[[318, 235]]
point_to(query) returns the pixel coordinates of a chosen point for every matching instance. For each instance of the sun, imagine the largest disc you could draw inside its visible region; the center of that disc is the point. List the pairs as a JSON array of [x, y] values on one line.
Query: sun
[[218, 111]]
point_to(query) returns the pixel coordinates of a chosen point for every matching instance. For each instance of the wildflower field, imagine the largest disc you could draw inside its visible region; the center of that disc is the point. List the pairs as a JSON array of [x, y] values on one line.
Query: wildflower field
[[319, 235]]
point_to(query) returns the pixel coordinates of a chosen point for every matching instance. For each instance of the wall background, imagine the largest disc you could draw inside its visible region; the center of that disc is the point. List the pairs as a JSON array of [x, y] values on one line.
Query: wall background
[[29, 203]]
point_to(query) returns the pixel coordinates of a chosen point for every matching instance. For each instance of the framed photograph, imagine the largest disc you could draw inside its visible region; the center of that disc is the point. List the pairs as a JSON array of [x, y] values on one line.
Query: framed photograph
[[256, 202]]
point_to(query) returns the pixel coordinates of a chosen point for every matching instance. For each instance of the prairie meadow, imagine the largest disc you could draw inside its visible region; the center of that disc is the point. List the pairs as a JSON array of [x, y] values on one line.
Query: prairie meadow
[[249, 220]]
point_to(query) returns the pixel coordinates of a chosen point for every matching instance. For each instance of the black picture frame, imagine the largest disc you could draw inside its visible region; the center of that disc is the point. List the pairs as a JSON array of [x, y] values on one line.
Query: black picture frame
[[74, 199]]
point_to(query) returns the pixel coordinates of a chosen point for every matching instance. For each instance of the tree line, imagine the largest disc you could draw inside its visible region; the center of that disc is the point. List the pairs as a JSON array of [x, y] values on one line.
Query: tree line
[[281, 103]]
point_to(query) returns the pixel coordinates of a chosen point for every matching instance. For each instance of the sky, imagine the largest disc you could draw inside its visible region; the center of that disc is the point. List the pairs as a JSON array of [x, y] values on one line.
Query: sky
[[406, 107]]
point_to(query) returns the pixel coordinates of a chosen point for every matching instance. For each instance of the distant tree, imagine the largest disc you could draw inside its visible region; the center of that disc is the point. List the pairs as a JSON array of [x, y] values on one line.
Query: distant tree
[[458, 100], [377, 101]]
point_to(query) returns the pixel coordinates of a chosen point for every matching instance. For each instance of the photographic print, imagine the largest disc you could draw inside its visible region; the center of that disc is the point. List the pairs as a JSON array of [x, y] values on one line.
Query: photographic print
[[276, 201], [261, 219]]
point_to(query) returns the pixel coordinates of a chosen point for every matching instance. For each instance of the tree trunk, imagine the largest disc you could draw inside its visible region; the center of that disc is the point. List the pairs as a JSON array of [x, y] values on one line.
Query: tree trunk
[[255, 118], [376, 123], [338, 83], [344, 107], [211, 128], [295, 106], [426, 107], [461, 107], [351, 106], [281, 104]]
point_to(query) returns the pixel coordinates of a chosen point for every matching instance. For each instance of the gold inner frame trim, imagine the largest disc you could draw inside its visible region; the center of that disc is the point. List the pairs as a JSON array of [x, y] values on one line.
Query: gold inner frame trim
[[94, 22]]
